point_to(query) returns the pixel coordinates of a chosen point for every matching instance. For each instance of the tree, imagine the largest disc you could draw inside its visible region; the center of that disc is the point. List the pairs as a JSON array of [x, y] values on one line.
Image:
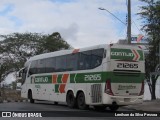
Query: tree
[[151, 24], [54, 42], [5, 69], [18, 47]]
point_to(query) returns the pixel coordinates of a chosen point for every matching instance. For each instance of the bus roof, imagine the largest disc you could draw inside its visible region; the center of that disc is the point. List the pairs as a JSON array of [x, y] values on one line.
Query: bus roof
[[64, 52]]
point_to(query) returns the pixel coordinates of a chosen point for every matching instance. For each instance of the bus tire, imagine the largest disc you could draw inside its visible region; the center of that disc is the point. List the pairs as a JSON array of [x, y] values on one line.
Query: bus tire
[[114, 107], [70, 99], [99, 108], [81, 101], [30, 97]]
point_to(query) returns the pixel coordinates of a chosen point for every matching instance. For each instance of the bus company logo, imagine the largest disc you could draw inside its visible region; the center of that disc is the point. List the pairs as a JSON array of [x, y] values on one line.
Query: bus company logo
[[133, 54], [126, 87], [41, 79], [136, 55], [60, 82], [122, 54]]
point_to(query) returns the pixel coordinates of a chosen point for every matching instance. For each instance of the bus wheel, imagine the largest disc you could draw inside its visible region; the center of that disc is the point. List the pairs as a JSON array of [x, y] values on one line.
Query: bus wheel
[[100, 108], [114, 107], [71, 101], [81, 101], [30, 97]]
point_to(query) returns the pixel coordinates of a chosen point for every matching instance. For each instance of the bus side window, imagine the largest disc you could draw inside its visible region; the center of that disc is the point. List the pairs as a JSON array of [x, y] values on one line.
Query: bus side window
[[97, 56], [50, 65], [33, 68], [41, 66], [61, 63], [85, 60], [72, 62]]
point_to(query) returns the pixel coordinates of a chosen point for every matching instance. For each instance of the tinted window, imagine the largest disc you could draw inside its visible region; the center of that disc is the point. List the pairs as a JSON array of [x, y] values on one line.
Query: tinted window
[[72, 62], [79, 61], [85, 60], [97, 56], [41, 66], [50, 65], [61, 63], [33, 68], [90, 59]]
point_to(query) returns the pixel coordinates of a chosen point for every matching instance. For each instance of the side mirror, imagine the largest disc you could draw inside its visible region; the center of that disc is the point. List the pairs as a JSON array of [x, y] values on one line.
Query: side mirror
[[19, 74]]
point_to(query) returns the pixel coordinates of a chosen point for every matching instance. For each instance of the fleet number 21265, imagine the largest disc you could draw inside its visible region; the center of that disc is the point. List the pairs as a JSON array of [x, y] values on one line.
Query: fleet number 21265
[[127, 65], [92, 77]]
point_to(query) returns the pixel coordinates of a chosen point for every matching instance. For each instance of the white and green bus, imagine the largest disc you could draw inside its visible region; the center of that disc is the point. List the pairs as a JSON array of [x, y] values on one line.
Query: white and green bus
[[100, 76]]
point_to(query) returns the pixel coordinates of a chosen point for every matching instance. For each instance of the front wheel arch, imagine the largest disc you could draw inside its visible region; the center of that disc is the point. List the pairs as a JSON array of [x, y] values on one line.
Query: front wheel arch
[[30, 96]]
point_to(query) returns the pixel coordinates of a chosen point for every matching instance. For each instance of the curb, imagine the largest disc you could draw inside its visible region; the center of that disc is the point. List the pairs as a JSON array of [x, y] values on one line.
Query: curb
[[143, 107], [8, 101]]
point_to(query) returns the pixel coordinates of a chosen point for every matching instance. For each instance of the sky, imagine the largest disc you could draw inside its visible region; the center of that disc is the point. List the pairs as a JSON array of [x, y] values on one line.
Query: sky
[[79, 22]]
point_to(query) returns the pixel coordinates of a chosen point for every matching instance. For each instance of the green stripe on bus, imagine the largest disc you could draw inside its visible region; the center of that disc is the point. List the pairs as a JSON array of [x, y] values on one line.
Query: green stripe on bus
[[72, 76], [43, 79], [56, 88], [115, 78], [59, 79], [125, 54], [96, 77], [130, 78]]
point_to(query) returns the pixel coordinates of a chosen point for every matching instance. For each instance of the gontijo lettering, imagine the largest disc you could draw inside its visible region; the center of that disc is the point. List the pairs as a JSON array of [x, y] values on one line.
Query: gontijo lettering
[[41, 79], [121, 54]]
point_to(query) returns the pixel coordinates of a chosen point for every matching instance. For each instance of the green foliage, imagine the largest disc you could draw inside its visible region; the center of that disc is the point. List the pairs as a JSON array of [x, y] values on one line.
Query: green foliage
[[19, 46], [151, 24], [54, 42], [16, 48]]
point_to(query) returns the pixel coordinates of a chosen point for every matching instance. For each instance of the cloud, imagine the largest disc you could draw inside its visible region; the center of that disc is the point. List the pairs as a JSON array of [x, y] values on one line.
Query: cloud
[[80, 22]]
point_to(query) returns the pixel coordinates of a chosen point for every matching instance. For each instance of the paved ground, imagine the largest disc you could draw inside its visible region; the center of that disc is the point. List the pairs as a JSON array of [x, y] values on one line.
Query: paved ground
[[152, 106]]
